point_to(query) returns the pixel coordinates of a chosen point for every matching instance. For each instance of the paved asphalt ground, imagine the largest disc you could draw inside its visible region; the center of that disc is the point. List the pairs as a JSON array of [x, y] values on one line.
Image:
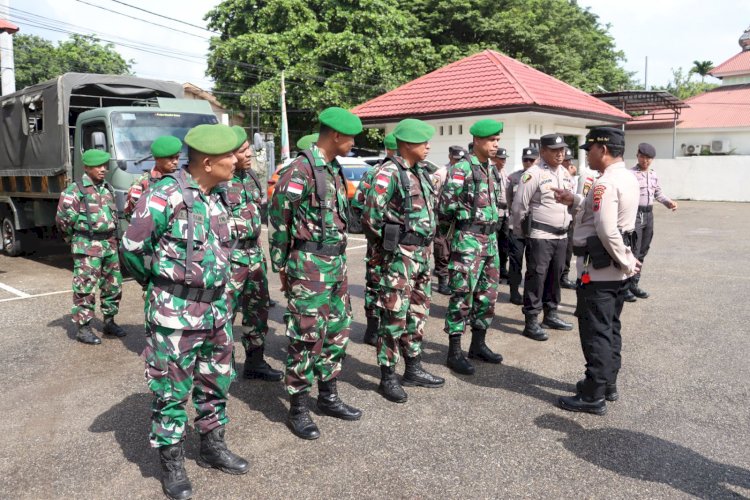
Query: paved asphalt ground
[[76, 416]]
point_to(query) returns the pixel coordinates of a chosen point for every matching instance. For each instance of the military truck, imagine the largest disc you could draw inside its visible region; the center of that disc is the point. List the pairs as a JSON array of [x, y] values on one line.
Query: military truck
[[46, 127]]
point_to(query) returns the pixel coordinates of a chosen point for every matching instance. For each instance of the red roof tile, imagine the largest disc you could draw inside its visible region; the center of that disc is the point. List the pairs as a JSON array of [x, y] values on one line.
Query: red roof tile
[[485, 81], [722, 107], [737, 64]]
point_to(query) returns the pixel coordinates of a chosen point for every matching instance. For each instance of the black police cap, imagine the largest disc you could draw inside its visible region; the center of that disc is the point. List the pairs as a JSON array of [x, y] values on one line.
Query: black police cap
[[646, 149], [553, 141], [606, 136]]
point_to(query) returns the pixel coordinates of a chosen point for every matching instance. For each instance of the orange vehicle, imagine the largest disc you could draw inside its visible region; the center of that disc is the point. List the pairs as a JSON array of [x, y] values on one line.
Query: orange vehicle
[[354, 169]]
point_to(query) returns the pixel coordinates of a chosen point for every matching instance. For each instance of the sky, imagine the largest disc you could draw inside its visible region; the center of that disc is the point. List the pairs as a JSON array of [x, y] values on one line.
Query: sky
[[671, 33]]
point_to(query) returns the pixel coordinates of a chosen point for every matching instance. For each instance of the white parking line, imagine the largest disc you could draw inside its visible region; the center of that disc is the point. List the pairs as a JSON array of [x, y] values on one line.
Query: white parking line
[[14, 291], [27, 296]]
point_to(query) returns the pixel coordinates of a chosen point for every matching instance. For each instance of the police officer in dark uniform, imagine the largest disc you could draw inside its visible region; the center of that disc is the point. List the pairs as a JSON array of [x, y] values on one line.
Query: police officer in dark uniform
[[501, 177], [602, 243], [441, 244], [517, 244]]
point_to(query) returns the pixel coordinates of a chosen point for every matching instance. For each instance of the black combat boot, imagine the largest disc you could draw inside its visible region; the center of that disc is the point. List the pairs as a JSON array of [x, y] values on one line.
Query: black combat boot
[[532, 329], [389, 386], [272, 303], [330, 403], [257, 368], [86, 335], [299, 420], [629, 297], [636, 290], [415, 375], [214, 453], [566, 283], [478, 348], [515, 296], [553, 321], [443, 287], [112, 328], [504, 275], [590, 399], [174, 480], [456, 360], [371, 334], [610, 390]]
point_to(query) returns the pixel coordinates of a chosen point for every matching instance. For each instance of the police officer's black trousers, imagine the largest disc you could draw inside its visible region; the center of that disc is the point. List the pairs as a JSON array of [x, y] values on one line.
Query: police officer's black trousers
[[442, 253], [644, 230], [515, 257], [569, 250], [503, 243], [598, 311], [545, 260]]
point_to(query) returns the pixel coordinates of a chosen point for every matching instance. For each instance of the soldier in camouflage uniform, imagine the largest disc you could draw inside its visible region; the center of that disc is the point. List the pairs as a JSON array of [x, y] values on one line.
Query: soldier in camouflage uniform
[[469, 199], [166, 152], [399, 221], [177, 248], [248, 286], [87, 219], [308, 212], [372, 260]]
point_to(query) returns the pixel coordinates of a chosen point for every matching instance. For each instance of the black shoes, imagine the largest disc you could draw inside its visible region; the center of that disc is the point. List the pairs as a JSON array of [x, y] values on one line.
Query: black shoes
[[553, 321], [330, 403], [443, 287], [299, 420], [214, 453], [478, 348], [112, 328], [257, 368], [638, 291], [566, 283], [272, 303], [532, 329], [174, 481], [629, 297], [515, 297], [371, 334], [610, 390], [456, 360], [86, 335], [415, 375], [582, 403], [389, 386]]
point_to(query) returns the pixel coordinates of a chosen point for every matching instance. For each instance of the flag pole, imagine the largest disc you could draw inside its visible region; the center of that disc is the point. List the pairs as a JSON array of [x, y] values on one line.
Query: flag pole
[[284, 125]]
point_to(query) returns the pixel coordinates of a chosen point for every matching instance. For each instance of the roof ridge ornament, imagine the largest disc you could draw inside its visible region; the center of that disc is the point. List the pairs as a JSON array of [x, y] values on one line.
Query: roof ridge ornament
[[744, 40]]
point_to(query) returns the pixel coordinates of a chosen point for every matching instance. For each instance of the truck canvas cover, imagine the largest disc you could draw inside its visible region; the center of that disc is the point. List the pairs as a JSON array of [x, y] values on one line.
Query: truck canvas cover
[[36, 134]]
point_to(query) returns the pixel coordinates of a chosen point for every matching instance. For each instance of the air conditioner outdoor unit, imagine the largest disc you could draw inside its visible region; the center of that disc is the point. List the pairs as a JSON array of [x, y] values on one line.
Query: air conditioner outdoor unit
[[691, 149], [720, 147]]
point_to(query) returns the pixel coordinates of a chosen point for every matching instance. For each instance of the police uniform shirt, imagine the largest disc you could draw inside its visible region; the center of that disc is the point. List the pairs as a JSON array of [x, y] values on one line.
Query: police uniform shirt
[[535, 195], [650, 189], [607, 210]]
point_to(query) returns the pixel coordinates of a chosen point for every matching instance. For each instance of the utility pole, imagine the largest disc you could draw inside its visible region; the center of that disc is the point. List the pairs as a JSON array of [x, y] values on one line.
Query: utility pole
[[7, 65]]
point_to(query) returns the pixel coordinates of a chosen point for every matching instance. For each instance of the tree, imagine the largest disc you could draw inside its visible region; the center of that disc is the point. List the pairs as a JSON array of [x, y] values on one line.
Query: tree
[[702, 68], [38, 60], [682, 87]]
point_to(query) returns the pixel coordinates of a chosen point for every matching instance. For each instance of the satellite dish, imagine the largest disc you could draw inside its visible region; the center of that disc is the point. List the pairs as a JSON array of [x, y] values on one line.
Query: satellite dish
[[258, 142]]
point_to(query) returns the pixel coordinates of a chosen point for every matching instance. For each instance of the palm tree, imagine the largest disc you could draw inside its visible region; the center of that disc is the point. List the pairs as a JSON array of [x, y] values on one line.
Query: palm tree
[[702, 68]]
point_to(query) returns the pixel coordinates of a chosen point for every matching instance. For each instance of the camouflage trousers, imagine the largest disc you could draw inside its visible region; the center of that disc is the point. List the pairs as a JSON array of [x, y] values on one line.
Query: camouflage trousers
[[474, 280], [318, 318], [248, 288], [179, 362], [405, 291], [373, 266], [88, 273]]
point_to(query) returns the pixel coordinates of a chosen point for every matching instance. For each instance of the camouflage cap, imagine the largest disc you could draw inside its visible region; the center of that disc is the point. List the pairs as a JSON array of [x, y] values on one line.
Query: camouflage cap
[[390, 141], [413, 131], [241, 134], [95, 157], [486, 128], [214, 139], [342, 121], [307, 140], [166, 146]]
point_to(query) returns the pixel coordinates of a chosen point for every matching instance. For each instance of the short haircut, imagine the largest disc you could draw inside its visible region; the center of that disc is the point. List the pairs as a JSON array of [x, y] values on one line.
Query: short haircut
[[615, 150], [325, 130]]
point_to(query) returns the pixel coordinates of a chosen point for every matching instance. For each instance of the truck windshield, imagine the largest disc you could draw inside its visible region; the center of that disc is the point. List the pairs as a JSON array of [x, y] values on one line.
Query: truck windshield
[[133, 132]]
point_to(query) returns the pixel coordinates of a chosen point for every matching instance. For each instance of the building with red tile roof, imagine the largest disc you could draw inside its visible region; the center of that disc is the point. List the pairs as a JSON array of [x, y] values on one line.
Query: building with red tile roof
[[490, 85]]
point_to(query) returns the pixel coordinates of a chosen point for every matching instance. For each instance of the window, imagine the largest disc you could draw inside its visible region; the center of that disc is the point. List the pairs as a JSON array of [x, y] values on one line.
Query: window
[[441, 130], [450, 129], [35, 115], [460, 130]]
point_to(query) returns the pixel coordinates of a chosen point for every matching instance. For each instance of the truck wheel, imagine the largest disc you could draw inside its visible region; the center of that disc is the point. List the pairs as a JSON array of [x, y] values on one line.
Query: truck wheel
[[11, 238]]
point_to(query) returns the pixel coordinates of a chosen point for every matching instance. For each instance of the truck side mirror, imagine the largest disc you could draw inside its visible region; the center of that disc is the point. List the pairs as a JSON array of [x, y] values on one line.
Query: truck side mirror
[[258, 142], [98, 140]]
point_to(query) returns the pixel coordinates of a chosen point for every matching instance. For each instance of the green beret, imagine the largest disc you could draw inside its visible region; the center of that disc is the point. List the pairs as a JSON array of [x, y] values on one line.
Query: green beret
[[413, 131], [390, 141], [306, 141], [166, 146], [486, 128], [212, 139], [95, 157], [241, 135], [341, 120]]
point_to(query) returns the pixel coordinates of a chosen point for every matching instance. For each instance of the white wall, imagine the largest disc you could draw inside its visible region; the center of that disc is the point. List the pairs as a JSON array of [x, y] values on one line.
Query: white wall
[[661, 139], [703, 178]]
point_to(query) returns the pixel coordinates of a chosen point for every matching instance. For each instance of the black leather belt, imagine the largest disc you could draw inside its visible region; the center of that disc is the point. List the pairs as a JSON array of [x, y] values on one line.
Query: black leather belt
[[470, 227], [414, 239], [317, 248], [645, 208], [559, 231], [97, 236], [244, 244], [204, 295]]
